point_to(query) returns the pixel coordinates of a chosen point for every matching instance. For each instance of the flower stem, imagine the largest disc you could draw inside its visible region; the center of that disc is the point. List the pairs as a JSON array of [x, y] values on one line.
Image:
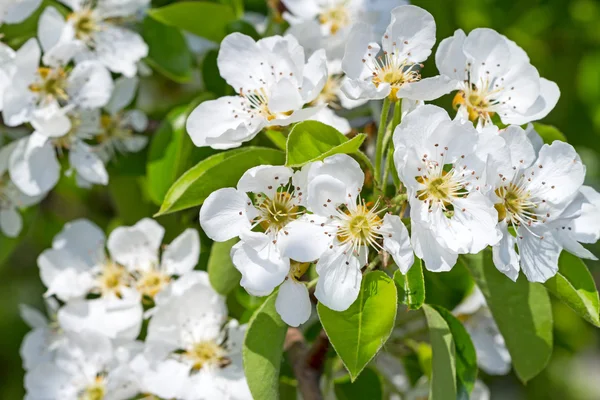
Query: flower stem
[[385, 110]]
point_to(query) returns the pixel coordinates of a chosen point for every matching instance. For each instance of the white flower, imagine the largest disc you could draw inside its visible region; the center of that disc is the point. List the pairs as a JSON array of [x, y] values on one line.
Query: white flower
[[406, 43], [273, 83], [43, 95], [319, 24], [34, 164], [15, 11], [442, 164], [7, 69], [192, 352], [93, 31], [41, 343], [260, 256], [532, 196], [492, 355], [11, 198], [89, 366], [493, 76], [341, 230]]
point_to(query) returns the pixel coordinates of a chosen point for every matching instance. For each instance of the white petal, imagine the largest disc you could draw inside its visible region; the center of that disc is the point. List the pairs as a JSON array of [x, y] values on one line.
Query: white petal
[[357, 47], [397, 242], [437, 258], [293, 302], [32, 317], [182, 254], [300, 115], [549, 95], [492, 354], [119, 49], [505, 257], [539, 254], [340, 167], [449, 58], [87, 163], [33, 165], [315, 76], [411, 33], [365, 90], [51, 120], [325, 193], [123, 94], [427, 89], [305, 240], [329, 117], [19, 11], [302, 8], [247, 74], [264, 179], [285, 97], [137, 246], [339, 280], [135, 143], [225, 214], [587, 227], [487, 50], [90, 85], [11, 222], [477, 213]]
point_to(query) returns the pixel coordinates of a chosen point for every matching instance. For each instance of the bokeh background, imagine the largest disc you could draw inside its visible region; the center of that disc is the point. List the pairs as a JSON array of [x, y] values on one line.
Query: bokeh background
[[562, 39]]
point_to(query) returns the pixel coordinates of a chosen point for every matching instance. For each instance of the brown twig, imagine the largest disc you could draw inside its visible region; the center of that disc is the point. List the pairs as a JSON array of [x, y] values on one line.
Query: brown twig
[[307, 363]]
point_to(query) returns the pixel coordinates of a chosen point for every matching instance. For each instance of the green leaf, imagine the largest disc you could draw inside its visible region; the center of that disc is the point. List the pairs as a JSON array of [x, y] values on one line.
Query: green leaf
[[211, 76], [312, 141], [447, 289], [208, 20], [168, 51], [574, 286], [263, 349], [522, 311], [549, 133], [244, 27], [443, 370], [216, 172], [366, 386], [411, 287], [172, 151], [223, 275], [277, 138], [466, 356], [358, 333]]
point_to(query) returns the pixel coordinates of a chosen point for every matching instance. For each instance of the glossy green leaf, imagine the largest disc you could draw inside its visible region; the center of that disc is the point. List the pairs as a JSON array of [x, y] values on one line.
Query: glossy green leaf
[[358, 333], [202, 18], [277, 137], [366, 386], [549, 133], [172, 152], [447, 289], [263, 349], [574, 286], [243, 27], [210, 74], [411, 287], [466, 356], [522, 312], [312, 141], [443, 370], [223, 275], [216, 172], [168, 51]]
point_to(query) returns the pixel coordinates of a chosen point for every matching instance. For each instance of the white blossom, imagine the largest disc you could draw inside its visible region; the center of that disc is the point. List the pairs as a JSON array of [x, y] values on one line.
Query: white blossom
[[41, 343], [273, 83]]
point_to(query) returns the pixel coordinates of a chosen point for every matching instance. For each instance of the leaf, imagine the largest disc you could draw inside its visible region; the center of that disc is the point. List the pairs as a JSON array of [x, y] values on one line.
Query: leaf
[[366, 386], [574, 286], [217, 171], [223, 275], [208, 20], [172, 151], [522, 312], [443, 371], [549, 133], [211, 76], [263, 349], [277, 138], [168, 51], [466, 356], [411, 287], [358, 333], [312, 141], [447, 289], [243, 27]]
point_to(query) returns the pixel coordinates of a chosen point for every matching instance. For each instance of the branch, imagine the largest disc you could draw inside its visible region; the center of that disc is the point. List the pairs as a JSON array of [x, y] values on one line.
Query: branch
[[307, 363]]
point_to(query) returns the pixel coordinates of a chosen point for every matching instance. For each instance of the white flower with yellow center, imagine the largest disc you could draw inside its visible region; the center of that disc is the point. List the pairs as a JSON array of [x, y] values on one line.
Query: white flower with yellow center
[[273, 83], [493, 76], [192, 350], [341, 230], [87, 367], [535, 195], [43, 95], [442, 164], [94, 31], [375, 71]]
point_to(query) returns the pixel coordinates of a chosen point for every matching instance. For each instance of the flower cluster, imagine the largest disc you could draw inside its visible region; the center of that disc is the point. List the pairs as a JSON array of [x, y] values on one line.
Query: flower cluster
[[91, 346], [59, 87]]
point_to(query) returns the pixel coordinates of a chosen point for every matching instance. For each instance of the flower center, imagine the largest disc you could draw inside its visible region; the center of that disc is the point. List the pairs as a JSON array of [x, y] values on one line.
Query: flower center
[[336, 18], [112, 279], [329, 94], [440, 186], [298, 269], [478, 99], [276, 212], [113, 128], [258, 102], [393, 69], [360, 226], [151, 282], [95, 391], [207, 353], [516, 206], [50, 83], [84, 24]]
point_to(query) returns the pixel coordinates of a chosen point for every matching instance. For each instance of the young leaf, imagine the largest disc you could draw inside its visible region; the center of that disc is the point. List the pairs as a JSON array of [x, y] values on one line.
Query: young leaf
[[574, 286], [263, 349], [312, 140], [366, 386], [202, 18], [411, 287], [168, 51], [216, 172], [443, 370], [466, 356], [522, 311], [172, 151], [358, 333], [223, 275], [549, 133]]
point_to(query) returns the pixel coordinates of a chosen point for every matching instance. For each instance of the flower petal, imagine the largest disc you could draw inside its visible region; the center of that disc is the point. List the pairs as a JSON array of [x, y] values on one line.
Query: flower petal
[[339, 279], [182, 254], [136, 247], [397, 242], [87, 163], [293, 302], [33, 165], [226, 213]]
